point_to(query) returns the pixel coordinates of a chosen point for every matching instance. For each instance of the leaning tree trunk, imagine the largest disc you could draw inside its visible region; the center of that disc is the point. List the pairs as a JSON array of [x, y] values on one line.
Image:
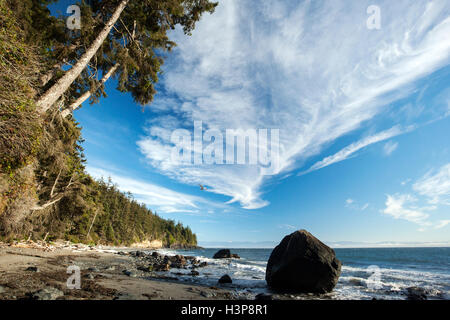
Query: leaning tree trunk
[[77, 103], [57, 90]]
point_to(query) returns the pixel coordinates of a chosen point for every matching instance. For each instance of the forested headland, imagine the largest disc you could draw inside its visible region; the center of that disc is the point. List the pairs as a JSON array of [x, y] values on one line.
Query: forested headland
[[46, 72]]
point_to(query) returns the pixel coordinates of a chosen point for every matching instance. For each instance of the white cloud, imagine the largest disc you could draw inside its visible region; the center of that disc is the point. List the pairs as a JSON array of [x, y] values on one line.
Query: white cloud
[[353, 148], [389, 148], [157, 198], [405, 182], [401, 207], [288, 227], [442, 224], [353, 204], [311, 69], [435, 186]]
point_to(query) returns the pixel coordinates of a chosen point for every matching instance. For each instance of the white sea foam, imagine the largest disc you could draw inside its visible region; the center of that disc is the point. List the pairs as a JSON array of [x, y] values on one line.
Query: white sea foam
[[355, 282]]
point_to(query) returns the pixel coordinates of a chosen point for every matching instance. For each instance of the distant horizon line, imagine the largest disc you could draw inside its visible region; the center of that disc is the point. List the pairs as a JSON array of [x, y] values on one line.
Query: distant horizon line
[[368, 247], [334, 245]]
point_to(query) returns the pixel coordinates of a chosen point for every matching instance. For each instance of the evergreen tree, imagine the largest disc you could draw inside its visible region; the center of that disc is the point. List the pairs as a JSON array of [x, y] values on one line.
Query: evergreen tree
[[44, 188], [125, 37]]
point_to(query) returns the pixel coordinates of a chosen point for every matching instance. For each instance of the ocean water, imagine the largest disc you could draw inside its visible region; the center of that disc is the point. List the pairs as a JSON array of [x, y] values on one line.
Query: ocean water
[[382, 273]]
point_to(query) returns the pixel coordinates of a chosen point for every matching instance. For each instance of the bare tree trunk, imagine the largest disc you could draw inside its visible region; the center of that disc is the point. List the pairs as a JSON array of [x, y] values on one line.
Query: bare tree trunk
[[76, 104], [57, 90], [93, 220], [52, 192], [45, 206]]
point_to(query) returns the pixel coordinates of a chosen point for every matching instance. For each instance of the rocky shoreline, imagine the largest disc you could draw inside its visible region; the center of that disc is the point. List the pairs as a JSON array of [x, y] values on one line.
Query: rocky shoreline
[[39, 271]]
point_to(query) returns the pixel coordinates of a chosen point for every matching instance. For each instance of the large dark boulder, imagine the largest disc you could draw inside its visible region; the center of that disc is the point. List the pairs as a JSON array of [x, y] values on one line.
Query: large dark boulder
[[302, 263], [225, 254]]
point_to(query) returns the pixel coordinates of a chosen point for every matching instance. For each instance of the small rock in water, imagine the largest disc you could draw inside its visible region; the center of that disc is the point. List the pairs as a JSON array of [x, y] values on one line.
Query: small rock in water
[[225, 279], [47, 294], [195, 273], [110, 268], [89, 276], [177, 262], [416, 293], [356, 282], [225, 254]]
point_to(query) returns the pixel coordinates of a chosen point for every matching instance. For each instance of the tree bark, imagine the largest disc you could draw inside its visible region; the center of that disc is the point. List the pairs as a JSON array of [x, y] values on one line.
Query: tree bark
[[52, 192], [57, 90], [77, 103], [48, 204], [93, 220]]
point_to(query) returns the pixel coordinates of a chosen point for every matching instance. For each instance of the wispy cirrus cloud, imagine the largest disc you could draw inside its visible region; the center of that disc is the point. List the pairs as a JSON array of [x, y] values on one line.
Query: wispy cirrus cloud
[[442, 224], [350, 150], [288, 227], [389, 148], [434, 188], [157, 198], [311, 69], [353, 204]]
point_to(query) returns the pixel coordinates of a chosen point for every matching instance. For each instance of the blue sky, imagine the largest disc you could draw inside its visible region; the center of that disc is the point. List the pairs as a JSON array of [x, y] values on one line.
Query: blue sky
[[363, 116]]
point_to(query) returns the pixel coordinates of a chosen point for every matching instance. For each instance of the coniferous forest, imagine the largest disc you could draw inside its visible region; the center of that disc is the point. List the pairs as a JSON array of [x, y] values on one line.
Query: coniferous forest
[[46, 72]]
